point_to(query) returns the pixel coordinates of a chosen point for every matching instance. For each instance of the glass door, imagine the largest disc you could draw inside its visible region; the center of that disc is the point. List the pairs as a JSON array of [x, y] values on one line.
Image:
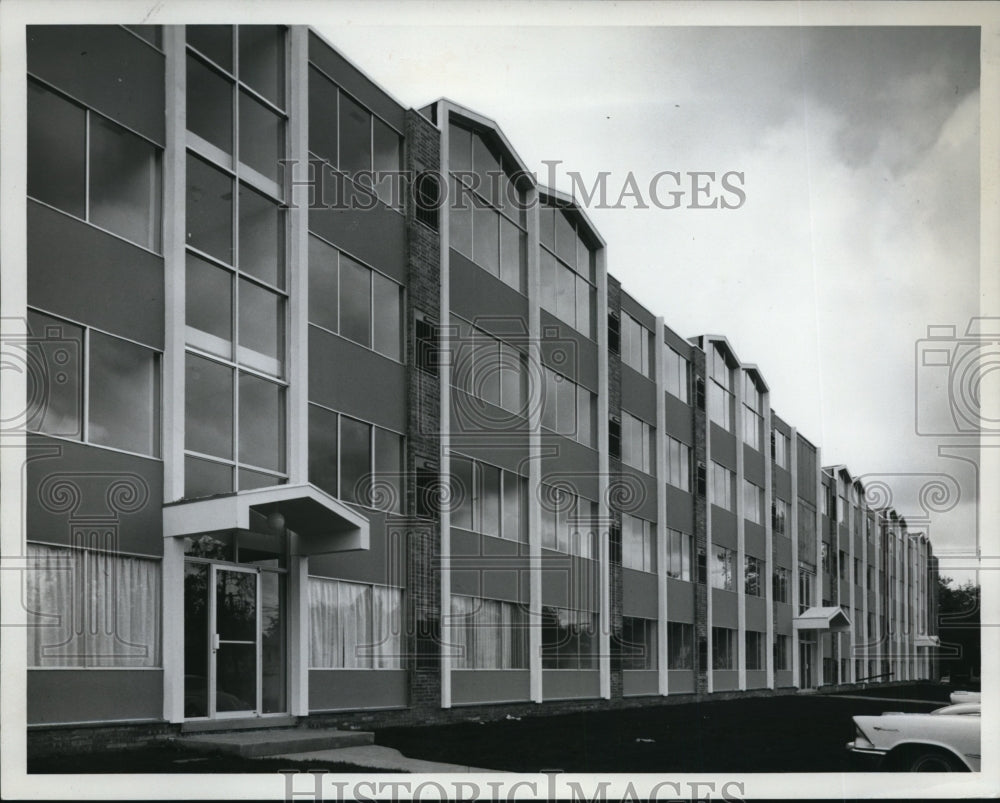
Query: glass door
[[235, 656], [805, 665]]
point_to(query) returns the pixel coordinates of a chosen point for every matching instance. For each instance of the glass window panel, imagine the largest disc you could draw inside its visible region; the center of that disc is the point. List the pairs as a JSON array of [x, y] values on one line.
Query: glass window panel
[[323, 292], [566, 406], [206, 478], [565, 239], [585, 263], [388, 493], [583, 416], [208, 410], [511, 379], [584, 307], [209, 104], [565, 294], [124, 183], [512, 241], [461, 221], [124, 395], [355, 301], [262, 237], [487, 369], [463, 491], [323, 449], [57, 142], [355, 457], [355, 136], [262, 328], [512, 506], [550, 401], [487, 168], [322, 116], [251, 480], [262, 137], [459, 148], [387, 295], [209, 306], [486, 248], [209, 215], [547, 226], [54, 377], [215, 41], [386, 159], [490, 500], [547, 269], [262, 60], [262, 423]]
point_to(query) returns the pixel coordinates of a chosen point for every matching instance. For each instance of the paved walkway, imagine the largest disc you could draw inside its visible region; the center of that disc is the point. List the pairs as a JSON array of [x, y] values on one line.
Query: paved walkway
[[938, 703], [378, 757]]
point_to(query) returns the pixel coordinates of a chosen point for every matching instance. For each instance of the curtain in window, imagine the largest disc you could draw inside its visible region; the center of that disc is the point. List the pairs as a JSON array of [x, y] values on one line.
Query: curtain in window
[[354, 626], [487, 634], [387, 627], [92, 609]]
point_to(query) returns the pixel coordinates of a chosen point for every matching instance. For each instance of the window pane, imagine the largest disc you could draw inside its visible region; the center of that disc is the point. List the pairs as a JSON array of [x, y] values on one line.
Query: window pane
[[511, 379], [215, 41], [486, 248], [550, 401], [209, 306], [565, 294], [56, 151], [388, 491], [322, 116], [583, 416], [584, 307], [355, 457], [54, 374], [124, 395], [250, 480], [490, 500], [208, 411], [355, 136], [387, 316], [262, 137], [459, 148], [565, 239], [386, 156], [547, 226], [461, 220], [565, 406], [323, 449], [209, 217], [547, 270], [262, 60], [262, 423], [511, 254], [262, 237], [209, 104], [323, 284], [355, 301], [487, 168], [512, 518], [462, 492], [262, 328]]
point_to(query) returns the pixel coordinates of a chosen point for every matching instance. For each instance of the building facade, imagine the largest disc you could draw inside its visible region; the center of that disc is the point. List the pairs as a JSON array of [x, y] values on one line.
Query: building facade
[[334, 408]]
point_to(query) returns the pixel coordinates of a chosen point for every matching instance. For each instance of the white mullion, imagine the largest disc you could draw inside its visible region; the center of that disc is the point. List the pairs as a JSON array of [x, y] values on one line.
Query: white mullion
[[85, 389], [86, 164]]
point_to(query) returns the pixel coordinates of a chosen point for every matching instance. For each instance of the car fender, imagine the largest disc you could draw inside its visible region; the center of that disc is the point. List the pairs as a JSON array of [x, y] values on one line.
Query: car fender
[[907, 742]]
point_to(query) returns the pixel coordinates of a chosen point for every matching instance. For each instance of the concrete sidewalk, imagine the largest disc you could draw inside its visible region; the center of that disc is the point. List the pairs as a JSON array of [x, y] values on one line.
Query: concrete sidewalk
[[378, 757]]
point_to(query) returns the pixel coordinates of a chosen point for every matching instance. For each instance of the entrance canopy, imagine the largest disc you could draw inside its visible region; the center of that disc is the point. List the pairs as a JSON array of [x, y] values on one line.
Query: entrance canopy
[[833, 619], [323, 524], [927, 641]]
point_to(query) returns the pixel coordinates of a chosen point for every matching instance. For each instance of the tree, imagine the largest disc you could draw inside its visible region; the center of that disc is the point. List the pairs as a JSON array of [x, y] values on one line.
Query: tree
[[959, 628]]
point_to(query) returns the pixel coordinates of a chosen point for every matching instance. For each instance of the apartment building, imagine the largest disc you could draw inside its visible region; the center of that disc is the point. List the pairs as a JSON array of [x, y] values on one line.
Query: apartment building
[[334, 408]]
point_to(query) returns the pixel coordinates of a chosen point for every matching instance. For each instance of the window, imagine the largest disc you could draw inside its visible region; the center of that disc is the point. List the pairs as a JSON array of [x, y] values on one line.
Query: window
[[782, 446], [569, 639], [355, 461], [638, 445], [116, 381], [782, 654], [354, 625], [487, 207], [678, 464], [842, 561], [807, 532], [755, 650], [568, 272], [753, 502], [680, 645], [91, 608], [492, 371], [723, 568], [720, 390], [488, 634], [702, 566], [871, 579], [675, 374], [87, 166], [614, 333], [636, 345], [723, 487], [568, 522], [701, 481], [679, 555], [569, 409], [354, 301], [639, 643], [807, 581], [781, 584], [724, 648], [349, 138], [425, 344], [753, 413], [857, 571], [825, 557], [615, 437], [753, 576], [638, 544], [488, 499], [779, 516]]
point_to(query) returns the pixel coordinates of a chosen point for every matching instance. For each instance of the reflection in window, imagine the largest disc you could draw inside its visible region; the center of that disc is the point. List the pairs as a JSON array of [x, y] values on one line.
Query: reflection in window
[[209, 104], [488, 634], [209, 306], [638, 544], [208, 411], [680, 645], [262, 60], [568, 272], [639, 643], [724, 648], [124, 395], [569, 639], [209, 210], [262, 419], [675, 374], [262, 237], [55, 388]]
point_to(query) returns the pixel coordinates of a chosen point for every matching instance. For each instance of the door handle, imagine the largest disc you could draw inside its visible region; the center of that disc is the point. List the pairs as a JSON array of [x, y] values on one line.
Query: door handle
[[215, 642]]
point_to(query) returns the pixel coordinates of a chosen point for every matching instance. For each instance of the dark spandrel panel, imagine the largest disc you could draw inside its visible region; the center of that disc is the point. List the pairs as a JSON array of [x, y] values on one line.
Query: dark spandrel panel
[[262, 60], [323, 449], [262, 137], [355, 457], [322, 116], [214, 41], [209, 304], [209, 104], [355, 136], [209, 210], [54, 371], [355, 301], [262, 423], [387, 298], [124, 395], [486, 246], [209, 408], [205, 478], [323, 283], [151, 33], [56, 151], [124, 183], [262, 237]]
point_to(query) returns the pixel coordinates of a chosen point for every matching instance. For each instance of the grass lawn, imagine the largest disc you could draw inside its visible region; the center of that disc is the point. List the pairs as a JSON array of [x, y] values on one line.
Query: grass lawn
[[795, 733]]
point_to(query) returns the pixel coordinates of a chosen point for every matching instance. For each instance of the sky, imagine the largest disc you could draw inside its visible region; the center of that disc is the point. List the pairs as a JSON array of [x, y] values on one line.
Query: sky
[[859, 154]]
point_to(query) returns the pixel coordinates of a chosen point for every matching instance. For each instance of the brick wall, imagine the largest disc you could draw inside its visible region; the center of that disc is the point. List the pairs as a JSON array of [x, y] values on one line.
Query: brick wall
[[702, 627], [615, 469]]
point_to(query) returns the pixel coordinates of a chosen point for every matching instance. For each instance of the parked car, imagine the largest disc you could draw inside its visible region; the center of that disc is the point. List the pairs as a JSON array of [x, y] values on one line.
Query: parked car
[[945, 740], [965, 697]]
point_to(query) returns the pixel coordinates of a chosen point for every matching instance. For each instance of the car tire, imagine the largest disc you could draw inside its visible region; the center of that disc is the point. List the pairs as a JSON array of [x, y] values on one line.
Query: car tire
[[929, 759]]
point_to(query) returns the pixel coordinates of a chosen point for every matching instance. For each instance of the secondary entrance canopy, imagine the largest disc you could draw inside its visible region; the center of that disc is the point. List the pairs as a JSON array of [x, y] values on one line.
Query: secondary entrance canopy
[[833, 619]]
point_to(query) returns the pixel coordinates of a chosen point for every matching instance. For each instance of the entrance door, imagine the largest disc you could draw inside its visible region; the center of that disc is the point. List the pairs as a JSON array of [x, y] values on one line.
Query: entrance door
[[235, 654], [805, 665]]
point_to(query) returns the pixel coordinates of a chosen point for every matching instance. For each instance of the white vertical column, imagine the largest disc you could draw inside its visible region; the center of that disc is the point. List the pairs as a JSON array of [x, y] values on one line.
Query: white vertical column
[[298, 630], [173, 365], [603, 469], [879, 601], [663, 651], [818, 579], [741, 549], [768, 542], [444, 385], [864, 586], [851, 586], [793, 462], [534, 455], [709, 499]]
